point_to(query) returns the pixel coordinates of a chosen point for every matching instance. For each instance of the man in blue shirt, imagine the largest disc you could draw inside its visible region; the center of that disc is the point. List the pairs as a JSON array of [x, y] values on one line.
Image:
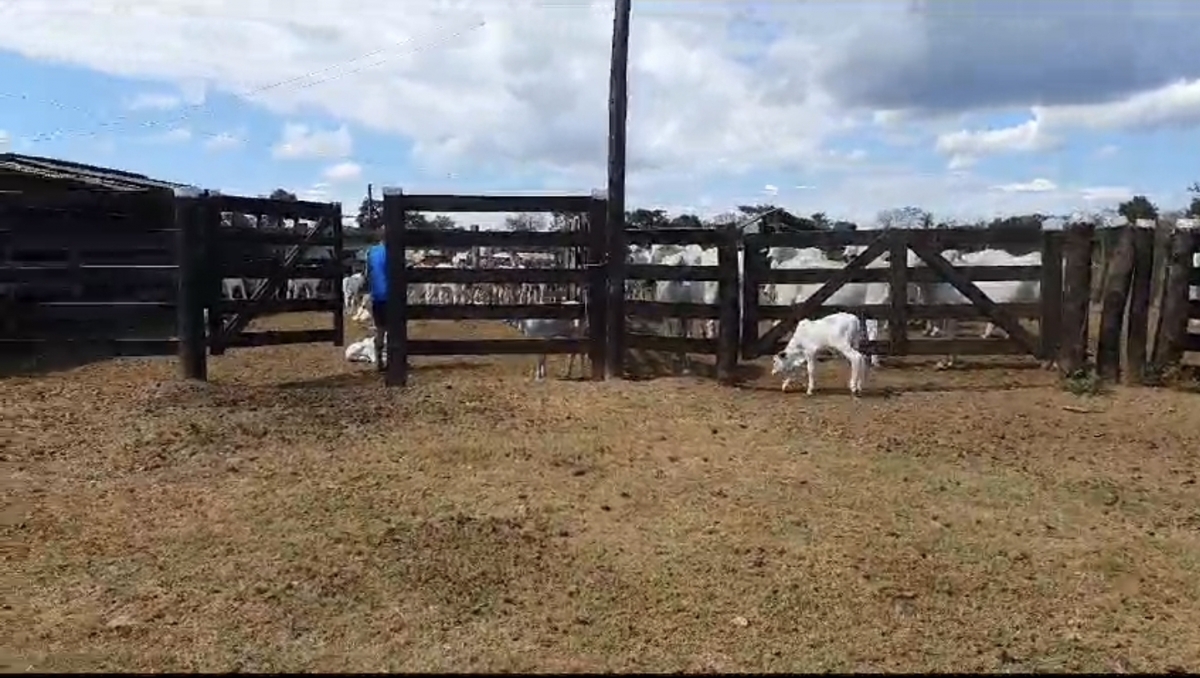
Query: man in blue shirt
[[377, 285]]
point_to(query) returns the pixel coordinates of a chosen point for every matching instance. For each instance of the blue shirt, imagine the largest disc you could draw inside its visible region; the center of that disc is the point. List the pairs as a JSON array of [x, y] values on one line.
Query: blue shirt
[[377, 272]]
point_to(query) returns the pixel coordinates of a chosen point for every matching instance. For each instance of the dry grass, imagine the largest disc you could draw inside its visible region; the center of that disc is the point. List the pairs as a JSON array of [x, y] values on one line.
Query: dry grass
[[295, 515]]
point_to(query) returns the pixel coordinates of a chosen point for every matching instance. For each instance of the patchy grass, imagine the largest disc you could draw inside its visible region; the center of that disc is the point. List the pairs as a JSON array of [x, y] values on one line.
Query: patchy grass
[[294, 515]]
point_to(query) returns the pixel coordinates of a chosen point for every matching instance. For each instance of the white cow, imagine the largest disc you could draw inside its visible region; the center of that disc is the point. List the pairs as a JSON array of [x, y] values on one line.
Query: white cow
[[841, 332]]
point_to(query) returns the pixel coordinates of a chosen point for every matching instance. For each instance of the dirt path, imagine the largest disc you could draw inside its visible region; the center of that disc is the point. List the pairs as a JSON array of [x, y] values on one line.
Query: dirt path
[[295, 515]]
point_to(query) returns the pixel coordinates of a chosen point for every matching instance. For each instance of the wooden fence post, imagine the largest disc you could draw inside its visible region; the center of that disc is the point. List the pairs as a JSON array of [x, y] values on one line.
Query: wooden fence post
[[396, 344], [1138, 322], [1173, 317], [615, 322], [1119, 276], [1077, 283], [754, 262], [189, 257], [597, 285], [1050, 323], [339, 313], [214, 265], [898, 289], [728, 294]]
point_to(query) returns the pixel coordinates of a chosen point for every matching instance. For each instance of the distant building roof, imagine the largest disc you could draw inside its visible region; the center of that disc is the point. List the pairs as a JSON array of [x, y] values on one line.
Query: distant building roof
[[101, 177]]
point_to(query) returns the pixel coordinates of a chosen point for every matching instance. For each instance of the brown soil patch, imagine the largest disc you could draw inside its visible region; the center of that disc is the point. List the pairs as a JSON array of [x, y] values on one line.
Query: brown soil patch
[[293, 515]]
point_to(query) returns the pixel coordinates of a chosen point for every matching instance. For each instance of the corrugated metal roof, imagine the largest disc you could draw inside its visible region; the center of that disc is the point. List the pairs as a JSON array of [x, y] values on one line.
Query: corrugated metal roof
[[119, 180]]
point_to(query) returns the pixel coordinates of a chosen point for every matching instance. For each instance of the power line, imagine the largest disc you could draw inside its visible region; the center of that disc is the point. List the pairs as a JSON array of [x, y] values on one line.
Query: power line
[[191, 109]]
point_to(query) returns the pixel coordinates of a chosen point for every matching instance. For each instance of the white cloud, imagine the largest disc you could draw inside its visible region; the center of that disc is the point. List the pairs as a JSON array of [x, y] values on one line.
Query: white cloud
[[771, 189], [223, 141], [518, 90], [1107, 151], [190, 94], [1175, 105], [1107, 194], [343, 172], [4, 140], [1036, 186], [302, 142], [177, 135]]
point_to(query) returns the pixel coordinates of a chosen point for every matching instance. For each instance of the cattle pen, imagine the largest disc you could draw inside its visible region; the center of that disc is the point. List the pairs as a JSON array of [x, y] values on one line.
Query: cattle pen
[[293, 512]]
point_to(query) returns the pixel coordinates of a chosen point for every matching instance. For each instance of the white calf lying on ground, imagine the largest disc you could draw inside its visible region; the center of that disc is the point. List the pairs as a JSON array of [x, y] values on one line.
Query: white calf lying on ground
[[362, 351], [841, 332]]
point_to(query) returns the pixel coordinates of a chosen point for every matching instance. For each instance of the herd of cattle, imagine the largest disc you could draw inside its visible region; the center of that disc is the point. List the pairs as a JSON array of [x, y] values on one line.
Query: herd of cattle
[[698, 292]]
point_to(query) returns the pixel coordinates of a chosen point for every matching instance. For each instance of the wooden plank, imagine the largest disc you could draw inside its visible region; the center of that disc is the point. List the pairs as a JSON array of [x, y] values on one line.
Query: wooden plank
[[396, 242], [118, 347], [1194, 309], [1077, 283], [934, 347], [916, 274], [279, 338], [193, 349], [754, 263], [90, 240], [674, 236], [812, 305], [1176, 308], [494, 203], [465, 276], [1115, 301], [271, 288], [274, 306], [88, 274], [660, 310], [728, 297], [661, 272], [962, 311], [1051, 292], [497, 347], [597, 287], [101, 201], [1138, 322], [654, 342], [88, 311], [819, 239], [1191, 343], [243, 235], [287, 209], [965, 287], [1194, 277], [431, 239], [339, 298], [493, 311], [270, 269], [898, 289]]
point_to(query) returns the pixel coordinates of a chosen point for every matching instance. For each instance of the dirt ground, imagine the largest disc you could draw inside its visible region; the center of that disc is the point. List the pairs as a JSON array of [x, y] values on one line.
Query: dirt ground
[[295, 515]]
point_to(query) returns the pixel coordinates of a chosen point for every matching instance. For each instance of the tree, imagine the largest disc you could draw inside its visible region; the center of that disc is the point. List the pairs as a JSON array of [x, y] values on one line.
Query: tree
[[417, 221], [275, 221], [524, 222], [1194, 209], [820, 220], [686, 221], [905, 217], [642, 219], [442, 223], [1138, 207], [370, 214]]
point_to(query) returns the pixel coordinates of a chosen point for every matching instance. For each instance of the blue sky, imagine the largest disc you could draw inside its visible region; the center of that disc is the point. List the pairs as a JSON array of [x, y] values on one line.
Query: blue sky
[[844, 111]]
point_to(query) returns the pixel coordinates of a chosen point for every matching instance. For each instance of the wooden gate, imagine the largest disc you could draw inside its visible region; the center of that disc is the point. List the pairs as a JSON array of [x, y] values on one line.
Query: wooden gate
[[245, 244], [927, 245]]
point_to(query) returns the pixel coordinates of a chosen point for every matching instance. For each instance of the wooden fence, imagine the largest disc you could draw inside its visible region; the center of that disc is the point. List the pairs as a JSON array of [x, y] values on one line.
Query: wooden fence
[[88, 267], [590, 274], [121, 269]]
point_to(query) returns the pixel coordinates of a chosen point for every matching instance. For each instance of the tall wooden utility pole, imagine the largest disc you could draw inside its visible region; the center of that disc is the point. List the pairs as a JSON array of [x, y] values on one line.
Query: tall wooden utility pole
[[618, 104]]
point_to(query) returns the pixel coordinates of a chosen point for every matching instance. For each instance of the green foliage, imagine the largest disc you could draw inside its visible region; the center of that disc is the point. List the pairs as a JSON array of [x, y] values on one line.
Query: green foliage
[[1084, 382]]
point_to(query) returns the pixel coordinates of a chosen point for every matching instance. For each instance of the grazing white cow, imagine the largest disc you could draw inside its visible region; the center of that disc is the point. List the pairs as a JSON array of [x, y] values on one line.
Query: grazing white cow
[[352, 290], [549, 328], [841, 332]]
